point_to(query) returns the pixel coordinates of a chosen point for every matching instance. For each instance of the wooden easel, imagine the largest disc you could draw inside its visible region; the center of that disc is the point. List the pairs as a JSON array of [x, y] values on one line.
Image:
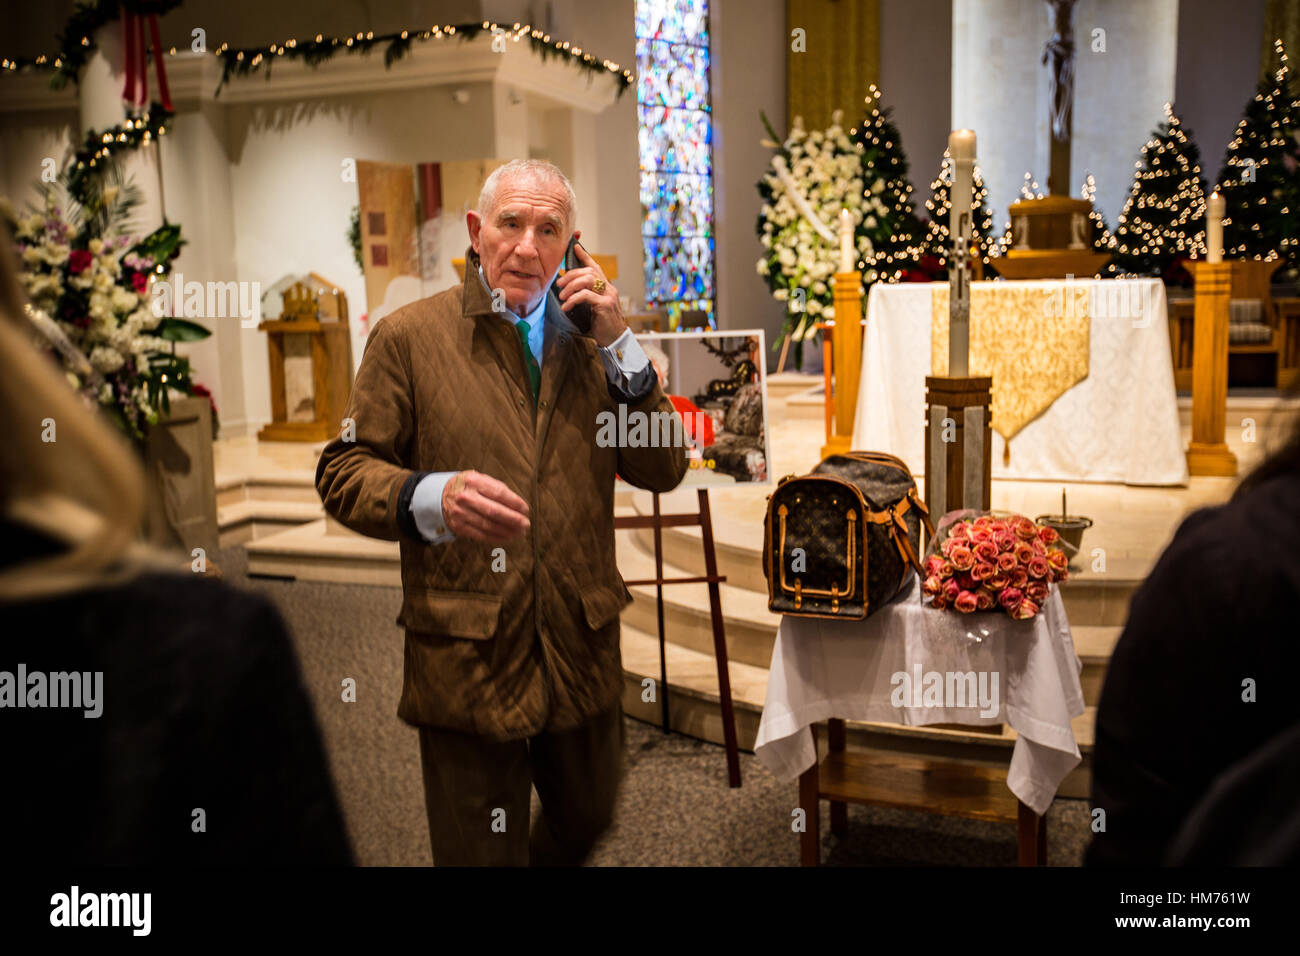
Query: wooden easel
[[658, 521]]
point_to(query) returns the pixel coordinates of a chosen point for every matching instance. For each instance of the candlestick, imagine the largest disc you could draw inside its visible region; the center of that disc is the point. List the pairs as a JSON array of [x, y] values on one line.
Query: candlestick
[[846, 241], [961, 147], [1214, 211]]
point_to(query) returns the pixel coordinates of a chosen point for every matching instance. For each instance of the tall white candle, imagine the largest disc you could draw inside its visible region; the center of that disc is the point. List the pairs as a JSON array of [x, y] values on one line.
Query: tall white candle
[[846, 241], [961, 147], [1214, 213]]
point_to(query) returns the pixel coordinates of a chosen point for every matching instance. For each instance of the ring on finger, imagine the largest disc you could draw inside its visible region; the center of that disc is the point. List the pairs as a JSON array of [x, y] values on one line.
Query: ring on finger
[[598, 286]]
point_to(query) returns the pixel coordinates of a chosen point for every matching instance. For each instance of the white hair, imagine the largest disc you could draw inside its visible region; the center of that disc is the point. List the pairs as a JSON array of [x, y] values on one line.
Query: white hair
[[658, 358], [537, 171]]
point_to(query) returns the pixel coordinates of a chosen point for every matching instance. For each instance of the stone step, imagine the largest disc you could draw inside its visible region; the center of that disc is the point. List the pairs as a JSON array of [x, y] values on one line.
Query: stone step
[[239, 522], [786, 384], [1091, 598], [751, 628], [298, 486]]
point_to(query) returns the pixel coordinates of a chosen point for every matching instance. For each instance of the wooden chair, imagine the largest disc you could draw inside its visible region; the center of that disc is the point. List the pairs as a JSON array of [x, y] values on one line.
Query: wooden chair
[[1251, 282]]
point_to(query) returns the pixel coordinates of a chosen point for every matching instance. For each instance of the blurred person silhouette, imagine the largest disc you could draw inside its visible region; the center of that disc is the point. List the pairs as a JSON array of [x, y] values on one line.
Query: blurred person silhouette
[[1196, 754], [190, 739]]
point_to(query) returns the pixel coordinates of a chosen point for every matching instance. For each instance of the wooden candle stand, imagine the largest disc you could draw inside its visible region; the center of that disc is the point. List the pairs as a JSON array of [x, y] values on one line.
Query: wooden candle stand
[[846, 337], [1208, 453], [958, 472]]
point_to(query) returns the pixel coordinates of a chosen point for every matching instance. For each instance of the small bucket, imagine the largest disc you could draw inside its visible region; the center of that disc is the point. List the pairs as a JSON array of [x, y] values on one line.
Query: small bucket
[[1070, 528]]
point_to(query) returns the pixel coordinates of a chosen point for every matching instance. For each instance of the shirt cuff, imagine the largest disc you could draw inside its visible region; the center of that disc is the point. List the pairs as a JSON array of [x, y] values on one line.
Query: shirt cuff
[[426, 507], [623, 358]]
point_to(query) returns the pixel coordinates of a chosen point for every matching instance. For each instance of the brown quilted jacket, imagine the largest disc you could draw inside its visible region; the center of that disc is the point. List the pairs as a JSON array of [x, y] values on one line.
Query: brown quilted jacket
[[508, 640]]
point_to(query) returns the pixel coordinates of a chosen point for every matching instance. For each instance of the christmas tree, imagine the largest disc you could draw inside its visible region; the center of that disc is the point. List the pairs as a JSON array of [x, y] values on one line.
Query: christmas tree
[[1163, 219], [939, 205], [897, 236], [1258, 178], [1098, 232], [1029, 189]]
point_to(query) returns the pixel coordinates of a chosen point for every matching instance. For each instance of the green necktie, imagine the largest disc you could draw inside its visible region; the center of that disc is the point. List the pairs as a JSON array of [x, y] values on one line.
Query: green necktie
[[530, 361]]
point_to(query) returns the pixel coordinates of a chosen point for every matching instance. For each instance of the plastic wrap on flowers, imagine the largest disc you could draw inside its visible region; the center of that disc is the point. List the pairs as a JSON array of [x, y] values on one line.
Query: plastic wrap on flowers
[[992, 561]]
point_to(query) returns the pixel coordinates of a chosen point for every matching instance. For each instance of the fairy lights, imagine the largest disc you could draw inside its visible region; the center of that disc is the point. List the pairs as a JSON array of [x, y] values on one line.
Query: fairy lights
[[939, 206], [1258, 179], [1163, 219], [242, 61], [900, 244]]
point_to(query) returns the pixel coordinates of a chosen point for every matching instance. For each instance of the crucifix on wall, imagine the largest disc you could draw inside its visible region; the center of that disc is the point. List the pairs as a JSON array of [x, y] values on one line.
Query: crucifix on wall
[[1052, 237], [1060, 50]]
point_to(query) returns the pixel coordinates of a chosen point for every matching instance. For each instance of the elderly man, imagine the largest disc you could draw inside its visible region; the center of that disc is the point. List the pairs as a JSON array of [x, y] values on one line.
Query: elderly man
[[475, 416]]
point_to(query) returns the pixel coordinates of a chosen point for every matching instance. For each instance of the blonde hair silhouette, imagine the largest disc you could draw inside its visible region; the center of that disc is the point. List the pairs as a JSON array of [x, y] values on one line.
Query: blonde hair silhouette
[[85, 488]]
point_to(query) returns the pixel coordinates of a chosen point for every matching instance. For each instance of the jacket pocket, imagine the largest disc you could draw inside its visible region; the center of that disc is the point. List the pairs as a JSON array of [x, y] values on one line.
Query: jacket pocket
[[451, 613], [602, 604]]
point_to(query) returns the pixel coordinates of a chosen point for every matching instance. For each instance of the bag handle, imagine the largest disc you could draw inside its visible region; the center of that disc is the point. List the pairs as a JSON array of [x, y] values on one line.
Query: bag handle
[[898, 530], [915, 500]]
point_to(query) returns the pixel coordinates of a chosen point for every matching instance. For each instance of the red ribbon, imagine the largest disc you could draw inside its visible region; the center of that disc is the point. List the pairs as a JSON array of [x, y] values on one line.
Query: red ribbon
[[135, 90]]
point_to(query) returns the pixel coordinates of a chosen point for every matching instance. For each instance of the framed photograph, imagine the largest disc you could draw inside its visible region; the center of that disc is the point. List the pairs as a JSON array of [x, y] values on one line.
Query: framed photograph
[[715, 381]]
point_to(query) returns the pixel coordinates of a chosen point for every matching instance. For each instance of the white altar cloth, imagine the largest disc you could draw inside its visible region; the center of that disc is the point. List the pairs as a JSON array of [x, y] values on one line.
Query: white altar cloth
[[822, 669], [1120, 424]]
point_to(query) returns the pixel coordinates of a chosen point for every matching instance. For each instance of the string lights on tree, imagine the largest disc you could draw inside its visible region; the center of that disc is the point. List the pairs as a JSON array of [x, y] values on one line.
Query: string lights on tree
[[1099, 232], [1259, 176], [939, 206], [898, 239], [1163, 220]]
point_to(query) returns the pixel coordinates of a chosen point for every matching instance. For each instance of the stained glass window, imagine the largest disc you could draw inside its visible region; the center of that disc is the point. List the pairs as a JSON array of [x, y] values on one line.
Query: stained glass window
[[676, 149]]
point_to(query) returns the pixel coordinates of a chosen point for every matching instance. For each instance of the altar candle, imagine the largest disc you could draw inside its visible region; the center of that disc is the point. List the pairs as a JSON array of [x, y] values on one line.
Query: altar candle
[[1215, 209], [961, 147], [846, 241]]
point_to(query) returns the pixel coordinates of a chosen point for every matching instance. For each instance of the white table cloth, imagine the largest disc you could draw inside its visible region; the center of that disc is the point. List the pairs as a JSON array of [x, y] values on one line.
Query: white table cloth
[[822, 669], [1120, 424]]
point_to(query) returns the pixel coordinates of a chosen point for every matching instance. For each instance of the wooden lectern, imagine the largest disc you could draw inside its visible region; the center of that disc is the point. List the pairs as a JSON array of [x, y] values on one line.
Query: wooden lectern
[[313, 324]]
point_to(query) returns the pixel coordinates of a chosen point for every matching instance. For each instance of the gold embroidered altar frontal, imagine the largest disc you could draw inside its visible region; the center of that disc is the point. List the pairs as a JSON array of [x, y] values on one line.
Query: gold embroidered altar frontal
[[1033, 340]]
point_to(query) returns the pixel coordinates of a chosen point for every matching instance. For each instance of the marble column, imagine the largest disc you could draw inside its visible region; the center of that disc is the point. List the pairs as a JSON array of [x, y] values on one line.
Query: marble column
[[100, 100]]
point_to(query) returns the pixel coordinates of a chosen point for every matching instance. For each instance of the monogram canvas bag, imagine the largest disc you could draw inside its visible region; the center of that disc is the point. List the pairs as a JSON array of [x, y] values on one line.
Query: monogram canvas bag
[[842, 541]]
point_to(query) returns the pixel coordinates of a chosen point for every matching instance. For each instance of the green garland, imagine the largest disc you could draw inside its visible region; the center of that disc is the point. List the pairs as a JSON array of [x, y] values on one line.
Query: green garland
[[77, 39], [76, 43], [99, 146], [243, 61]]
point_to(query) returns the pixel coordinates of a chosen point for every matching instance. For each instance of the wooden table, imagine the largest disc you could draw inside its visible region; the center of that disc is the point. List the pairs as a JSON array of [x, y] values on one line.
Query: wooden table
[[886, 779]]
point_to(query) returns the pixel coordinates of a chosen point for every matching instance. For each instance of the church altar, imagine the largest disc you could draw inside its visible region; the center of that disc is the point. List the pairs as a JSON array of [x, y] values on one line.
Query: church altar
[[1113, 418]]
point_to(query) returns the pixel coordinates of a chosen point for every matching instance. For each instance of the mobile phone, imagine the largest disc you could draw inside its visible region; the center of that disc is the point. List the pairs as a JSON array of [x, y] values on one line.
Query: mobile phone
[[580, 315]]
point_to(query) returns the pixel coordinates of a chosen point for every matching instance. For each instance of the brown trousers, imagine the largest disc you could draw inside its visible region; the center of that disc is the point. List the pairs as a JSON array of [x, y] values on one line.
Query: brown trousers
[[477, 791]]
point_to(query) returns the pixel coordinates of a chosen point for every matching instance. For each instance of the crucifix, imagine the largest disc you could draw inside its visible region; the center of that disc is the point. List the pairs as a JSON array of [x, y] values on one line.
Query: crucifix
[[1060, 50], [1051, 234]]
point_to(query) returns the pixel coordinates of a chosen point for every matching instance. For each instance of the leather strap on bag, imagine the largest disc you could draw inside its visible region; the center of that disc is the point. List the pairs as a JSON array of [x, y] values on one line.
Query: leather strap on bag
[[898, 531]]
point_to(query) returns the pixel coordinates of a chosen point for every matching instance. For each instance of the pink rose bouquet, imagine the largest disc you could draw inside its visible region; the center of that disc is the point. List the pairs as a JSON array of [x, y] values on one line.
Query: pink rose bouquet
[[986, 563]]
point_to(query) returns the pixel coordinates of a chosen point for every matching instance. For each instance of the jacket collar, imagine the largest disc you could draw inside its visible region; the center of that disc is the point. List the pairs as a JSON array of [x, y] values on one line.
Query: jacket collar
[[557, 340], [476, 300]]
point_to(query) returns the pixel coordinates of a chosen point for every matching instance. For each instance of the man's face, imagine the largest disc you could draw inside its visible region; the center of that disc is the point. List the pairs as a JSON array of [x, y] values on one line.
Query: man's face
[[522, 243]]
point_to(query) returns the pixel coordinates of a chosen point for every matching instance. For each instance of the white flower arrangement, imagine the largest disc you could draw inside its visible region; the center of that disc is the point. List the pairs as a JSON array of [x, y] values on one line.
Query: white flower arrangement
[[814, 175], [91, 303]]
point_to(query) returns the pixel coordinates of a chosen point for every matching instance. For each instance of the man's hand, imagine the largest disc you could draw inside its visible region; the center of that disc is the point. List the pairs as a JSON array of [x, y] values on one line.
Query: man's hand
[[578, 285], [481, 508]]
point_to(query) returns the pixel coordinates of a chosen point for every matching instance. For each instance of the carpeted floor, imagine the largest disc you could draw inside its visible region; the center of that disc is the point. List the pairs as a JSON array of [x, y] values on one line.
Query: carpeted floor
[[675, 807]]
